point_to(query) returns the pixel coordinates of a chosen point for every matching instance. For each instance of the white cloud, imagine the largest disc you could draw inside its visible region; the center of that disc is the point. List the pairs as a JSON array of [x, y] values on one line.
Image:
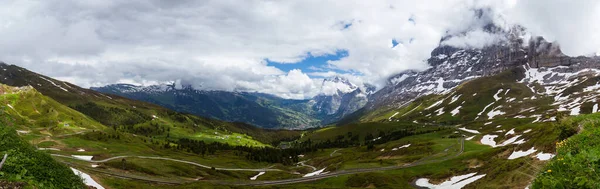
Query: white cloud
[[573, 24], [475, 39], [294, 84], [222, 44]]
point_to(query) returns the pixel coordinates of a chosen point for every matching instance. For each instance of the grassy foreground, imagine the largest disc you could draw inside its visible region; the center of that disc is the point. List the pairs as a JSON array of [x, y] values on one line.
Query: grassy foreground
[[577, 162], [36, 169]]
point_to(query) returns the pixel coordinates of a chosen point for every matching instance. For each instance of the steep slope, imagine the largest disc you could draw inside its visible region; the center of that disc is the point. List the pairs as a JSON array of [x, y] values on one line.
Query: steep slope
[[516, 98], [27, 167], [24, 164], [338, 98], [110, 111], [542, 62]]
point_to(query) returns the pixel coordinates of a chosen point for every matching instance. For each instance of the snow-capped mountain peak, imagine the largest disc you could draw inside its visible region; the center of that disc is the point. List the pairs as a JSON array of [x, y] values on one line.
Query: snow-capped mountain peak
[[335, 85]]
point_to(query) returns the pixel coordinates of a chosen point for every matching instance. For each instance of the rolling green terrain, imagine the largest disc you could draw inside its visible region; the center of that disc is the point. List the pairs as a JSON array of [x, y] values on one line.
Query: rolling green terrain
[[258, 109], [25, 166], [499, 131]]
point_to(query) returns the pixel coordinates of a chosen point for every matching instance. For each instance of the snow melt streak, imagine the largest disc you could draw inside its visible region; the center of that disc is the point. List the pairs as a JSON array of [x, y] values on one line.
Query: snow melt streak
[[455, 182]]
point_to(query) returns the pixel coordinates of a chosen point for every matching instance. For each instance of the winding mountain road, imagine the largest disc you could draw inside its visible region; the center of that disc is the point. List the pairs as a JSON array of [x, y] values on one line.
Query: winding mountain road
[[284, 181], [167, 159]]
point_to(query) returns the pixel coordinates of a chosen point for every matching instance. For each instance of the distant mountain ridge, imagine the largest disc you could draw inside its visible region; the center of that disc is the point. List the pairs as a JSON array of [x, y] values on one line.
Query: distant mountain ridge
[[338, 98]]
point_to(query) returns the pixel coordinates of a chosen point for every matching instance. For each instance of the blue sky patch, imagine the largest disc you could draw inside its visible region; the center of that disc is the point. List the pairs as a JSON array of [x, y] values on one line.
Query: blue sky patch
[[345, 25], [311, 63], [394, 43]]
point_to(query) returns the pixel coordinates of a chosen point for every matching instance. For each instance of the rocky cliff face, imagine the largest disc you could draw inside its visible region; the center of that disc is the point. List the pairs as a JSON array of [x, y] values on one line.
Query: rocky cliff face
[[451, 66], [343, 100]]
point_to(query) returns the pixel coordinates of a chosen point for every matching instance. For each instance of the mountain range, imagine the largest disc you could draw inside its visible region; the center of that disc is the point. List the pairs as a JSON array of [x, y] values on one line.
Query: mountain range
[[338, 98]]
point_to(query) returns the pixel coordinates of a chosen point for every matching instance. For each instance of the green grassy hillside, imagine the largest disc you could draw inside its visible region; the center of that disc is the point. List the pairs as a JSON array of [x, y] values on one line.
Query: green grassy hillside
[[30, 168], [497, 120], [577, 160], [126, 114]]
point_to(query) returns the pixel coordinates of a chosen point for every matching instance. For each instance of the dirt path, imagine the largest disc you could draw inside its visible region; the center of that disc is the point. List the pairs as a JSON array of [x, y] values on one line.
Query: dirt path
[[166, 159]]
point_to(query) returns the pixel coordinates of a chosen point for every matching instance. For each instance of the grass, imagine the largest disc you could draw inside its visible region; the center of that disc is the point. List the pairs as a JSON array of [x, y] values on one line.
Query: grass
[[156, 125], [37, 169], [361, 129], [577, 161]]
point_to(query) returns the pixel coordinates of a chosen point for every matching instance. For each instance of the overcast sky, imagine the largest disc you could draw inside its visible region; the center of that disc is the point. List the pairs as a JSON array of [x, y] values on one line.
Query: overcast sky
[[278, 47]]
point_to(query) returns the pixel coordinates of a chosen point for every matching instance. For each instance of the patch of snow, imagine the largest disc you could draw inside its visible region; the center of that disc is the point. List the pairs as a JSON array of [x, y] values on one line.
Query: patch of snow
[[485, 108], [487, 123], [553, 118], [489, 140], [494, 112], [81, 150], [53, 149], [518, 154], [390, 118], [314, 173], [256, 176], [470, 137], [496, 97], [399, 79], [440, 111], [95, 165], [526, 131], [595, 108], [455, 98], [469, 130], [592, 88], [456, 111], [575, 111], [435, 104], [412, 109], [87, 158], [522, 141], [511, 132], [403, 146], [51, 82], [510, 140], [455, 182], [87, 179], [544, 156], [440, 85], [537, 118], [383, 149]]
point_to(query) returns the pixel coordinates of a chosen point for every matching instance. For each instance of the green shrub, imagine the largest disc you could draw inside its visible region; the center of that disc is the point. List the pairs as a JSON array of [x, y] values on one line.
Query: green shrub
[[37, 169], [577, 162]]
